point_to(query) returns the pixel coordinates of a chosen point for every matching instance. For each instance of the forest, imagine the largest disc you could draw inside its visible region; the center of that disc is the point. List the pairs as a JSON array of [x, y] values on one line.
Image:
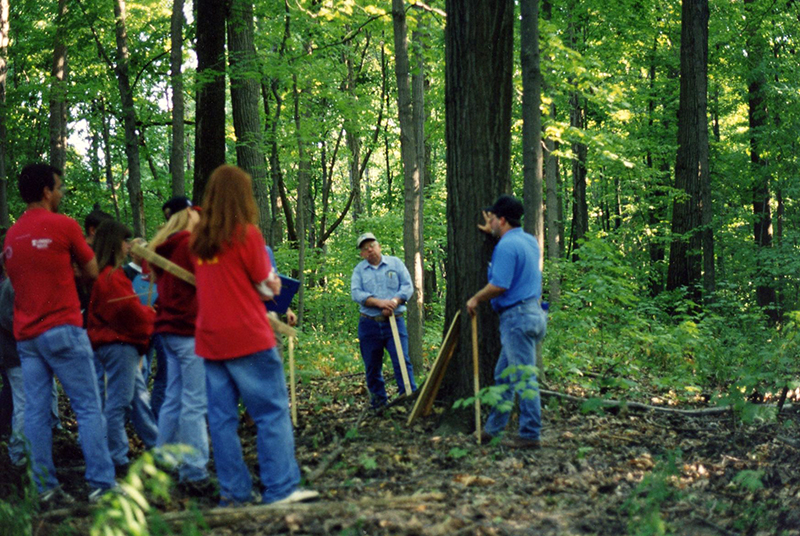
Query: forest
[[653, 144]]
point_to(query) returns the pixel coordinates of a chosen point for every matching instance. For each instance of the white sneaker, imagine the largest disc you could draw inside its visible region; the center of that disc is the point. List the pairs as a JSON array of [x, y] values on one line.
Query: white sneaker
[[299, 495]]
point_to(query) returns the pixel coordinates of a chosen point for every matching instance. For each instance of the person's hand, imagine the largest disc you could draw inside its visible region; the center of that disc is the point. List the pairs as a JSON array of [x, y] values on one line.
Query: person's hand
[[486, 226], [274, 283], [291, 318], [472, 306], [388, 306]]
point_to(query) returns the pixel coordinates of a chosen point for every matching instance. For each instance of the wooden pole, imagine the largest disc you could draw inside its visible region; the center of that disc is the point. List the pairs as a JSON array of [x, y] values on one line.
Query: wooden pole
[[400, 355], [476, 376], [292, 390], [165, 264]]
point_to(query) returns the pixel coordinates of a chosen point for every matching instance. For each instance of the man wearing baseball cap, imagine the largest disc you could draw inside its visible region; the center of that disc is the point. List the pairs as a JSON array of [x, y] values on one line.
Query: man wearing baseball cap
[[381, 285], [514, 288]]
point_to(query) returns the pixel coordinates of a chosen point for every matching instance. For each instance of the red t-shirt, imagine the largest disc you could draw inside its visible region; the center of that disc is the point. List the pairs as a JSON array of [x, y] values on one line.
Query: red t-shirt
[[177, 299], [39, 251], [231, 318], [114, 320]]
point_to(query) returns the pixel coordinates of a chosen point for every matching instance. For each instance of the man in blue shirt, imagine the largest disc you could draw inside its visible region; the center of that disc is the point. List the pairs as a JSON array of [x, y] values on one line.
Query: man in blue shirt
[[381, 285], [514, 288]]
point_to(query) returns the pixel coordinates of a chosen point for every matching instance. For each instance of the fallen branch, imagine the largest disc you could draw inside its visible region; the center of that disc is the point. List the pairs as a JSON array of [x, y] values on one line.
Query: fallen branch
[[224, 516], [337, 451], [638, 405]]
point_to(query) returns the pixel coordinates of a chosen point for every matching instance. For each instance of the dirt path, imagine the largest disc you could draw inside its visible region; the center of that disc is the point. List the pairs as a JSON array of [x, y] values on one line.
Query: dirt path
[[611, 474]]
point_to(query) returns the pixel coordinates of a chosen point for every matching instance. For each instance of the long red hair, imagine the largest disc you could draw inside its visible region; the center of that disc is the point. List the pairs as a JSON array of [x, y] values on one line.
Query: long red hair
[[228, 206]]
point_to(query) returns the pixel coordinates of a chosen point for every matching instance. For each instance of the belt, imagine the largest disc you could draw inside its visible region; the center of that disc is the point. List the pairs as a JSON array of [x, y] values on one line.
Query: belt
[[380, 318], [502, 310]]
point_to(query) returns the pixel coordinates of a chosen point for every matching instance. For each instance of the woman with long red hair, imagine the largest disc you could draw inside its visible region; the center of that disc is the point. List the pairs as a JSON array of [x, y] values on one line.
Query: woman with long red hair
[[234, 336]]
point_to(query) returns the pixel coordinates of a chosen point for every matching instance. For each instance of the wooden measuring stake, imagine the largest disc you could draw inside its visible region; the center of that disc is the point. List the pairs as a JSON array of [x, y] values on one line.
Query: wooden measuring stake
[[476, 376], [121, 298], [165, 264], [400, 355], [292, 390]]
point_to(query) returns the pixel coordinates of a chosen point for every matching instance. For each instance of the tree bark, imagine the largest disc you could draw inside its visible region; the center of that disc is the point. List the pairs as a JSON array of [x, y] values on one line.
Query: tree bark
[[245, 94], [412, 214], [757, 115], [58, 91], [209, 146], [129, 119], [5, 222], [303, 173], [176, 163], [691, 168], [580, 206], [478, 96]]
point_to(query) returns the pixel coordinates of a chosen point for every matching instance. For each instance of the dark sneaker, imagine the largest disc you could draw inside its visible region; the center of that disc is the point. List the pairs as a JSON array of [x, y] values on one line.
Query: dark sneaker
[[121, 471], [299, 495], [55, 498], [522, 443]]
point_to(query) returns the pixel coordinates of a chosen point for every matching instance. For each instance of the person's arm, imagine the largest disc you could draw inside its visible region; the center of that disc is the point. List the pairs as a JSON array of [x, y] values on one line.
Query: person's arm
[[90, 269], [486, 293]]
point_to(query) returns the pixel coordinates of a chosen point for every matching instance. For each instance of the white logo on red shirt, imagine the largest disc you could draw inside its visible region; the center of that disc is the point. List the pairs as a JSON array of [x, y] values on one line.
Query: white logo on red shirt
[[41, 243]]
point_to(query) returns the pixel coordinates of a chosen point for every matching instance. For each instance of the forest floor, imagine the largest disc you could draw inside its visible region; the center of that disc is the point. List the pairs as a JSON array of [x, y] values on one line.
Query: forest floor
[[615, 473]]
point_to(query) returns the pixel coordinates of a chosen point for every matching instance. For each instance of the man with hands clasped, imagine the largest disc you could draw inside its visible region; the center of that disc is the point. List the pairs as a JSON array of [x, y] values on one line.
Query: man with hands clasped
[[381, 285]]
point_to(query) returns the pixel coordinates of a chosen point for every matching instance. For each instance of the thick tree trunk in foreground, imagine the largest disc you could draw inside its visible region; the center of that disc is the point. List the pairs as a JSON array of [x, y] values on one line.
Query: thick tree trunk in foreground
[[245, 95], [691, 168], [412, 215], [129, 119], [209, 145], [478, 83]]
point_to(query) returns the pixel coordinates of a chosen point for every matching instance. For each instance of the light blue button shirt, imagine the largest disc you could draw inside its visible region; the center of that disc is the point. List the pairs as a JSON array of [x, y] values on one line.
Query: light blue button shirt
[[387, 280]]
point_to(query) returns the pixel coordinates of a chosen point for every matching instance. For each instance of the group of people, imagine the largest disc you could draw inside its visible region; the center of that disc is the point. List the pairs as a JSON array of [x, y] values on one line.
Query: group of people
[[217, 342]]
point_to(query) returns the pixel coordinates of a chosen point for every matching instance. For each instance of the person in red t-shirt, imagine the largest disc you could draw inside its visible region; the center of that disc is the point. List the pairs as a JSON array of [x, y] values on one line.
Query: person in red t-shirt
[[234, 336], [38, 251], [182, 417], [119, 328]]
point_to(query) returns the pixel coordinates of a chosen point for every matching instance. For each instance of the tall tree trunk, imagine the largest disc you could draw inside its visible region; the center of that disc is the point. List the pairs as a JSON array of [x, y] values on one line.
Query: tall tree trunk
[[420, 115], [478, 82], [532, 159], [209, 145], [691, 168], [176, 162], [303, 173], [412, 214], [580, 206], [58, 91], [5, 222], [757, 115], [129, 119], [554, 211], [245, 89], [107, 165]]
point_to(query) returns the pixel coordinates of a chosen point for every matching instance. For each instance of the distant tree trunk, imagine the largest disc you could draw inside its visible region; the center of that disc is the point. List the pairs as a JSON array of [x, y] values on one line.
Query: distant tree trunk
[[555, 228], [176, 162], [209, 145], [303, 177], [478, 95], [757, 115], [58, 91], [412, 214], [656, 206], [580, 206], [691, 168], [5, 222], [418, 86], [129, 119], [245, 88], [109, 173]]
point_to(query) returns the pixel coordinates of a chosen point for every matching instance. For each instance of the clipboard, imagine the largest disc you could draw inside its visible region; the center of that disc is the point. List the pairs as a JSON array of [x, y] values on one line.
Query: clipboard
[[282, 301]]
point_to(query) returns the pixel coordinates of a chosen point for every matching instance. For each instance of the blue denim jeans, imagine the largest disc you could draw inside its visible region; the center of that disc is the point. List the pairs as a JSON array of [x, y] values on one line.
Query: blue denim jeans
[[521, 327], [260, 382], [119, 364], [66, 352], [375, 337], [155, 354], [17, 445], [182, 419]]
